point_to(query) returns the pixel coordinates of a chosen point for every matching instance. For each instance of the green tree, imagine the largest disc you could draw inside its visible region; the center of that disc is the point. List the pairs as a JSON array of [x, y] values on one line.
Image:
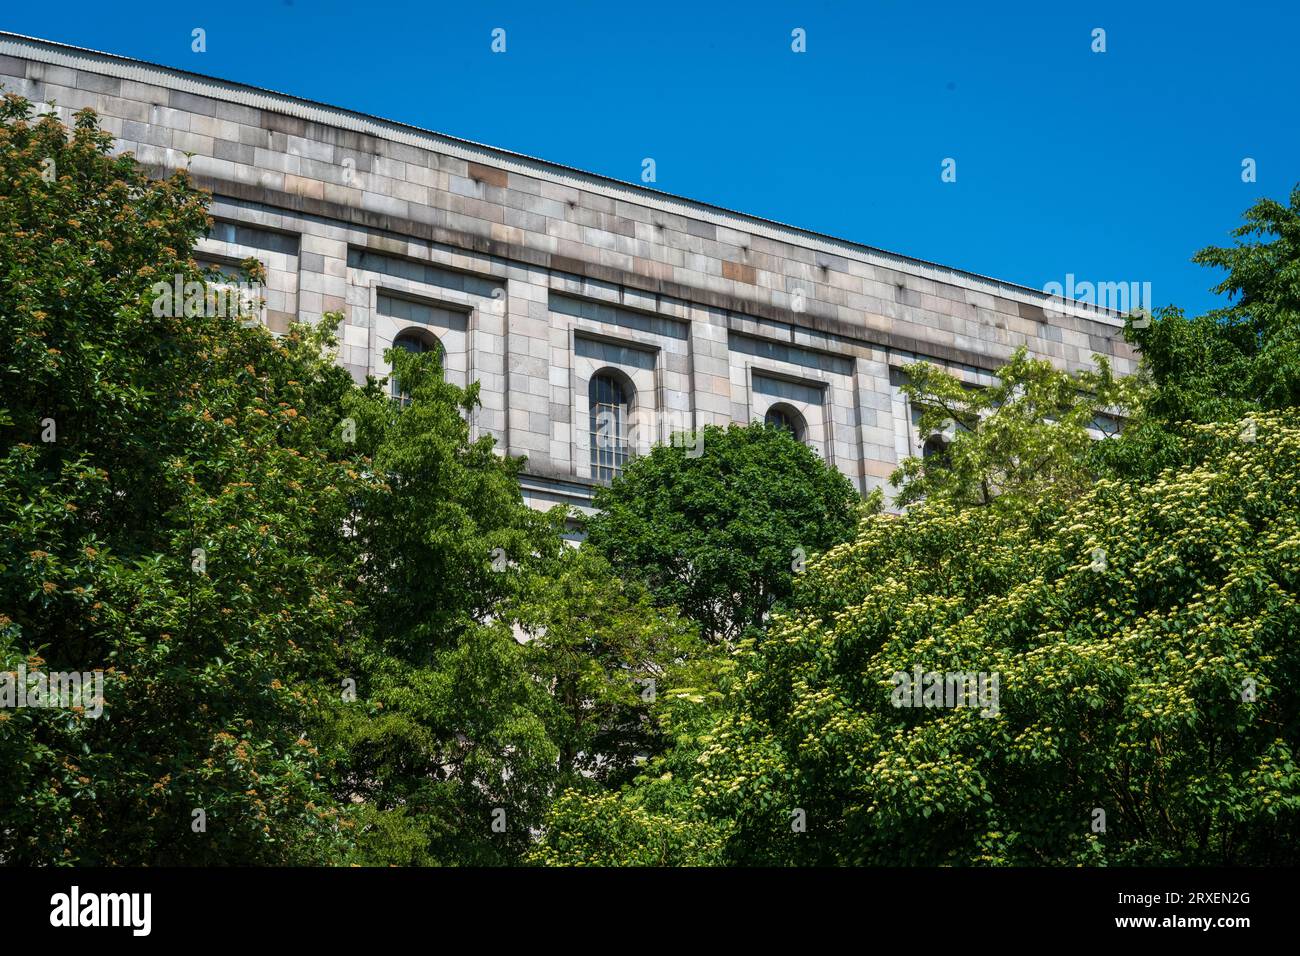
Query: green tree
[[624, 829], [495, 665], [720, 534], [168, 519], [1143, 652], [654, 819], [1027, 440], [1243, 357], [605, 653], [447, 753], [308, 598], [1229, 363], [1135, 597]]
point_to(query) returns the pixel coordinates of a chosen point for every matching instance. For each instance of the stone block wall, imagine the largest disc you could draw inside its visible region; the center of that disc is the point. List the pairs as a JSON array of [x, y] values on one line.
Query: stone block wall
[[536, 277]]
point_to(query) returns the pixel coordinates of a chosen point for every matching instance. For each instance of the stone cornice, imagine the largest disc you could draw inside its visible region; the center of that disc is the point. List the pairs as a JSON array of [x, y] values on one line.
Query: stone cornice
[[77, 58]]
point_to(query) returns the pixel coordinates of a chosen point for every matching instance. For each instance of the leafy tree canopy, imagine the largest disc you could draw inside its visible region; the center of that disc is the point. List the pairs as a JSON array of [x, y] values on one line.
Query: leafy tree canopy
[[1245, 356], [1131, 614], [169, 520], [1024, 441], [1142, 649], [312, 603], [721, 534]]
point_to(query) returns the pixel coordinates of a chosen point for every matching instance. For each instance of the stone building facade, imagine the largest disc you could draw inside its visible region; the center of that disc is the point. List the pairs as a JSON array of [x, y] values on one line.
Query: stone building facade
[[598, 316]]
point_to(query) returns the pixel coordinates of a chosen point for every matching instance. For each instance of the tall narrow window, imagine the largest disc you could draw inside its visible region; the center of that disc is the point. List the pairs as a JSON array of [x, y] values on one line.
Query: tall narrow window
[[787, 419], [609, 412], [417, 342]]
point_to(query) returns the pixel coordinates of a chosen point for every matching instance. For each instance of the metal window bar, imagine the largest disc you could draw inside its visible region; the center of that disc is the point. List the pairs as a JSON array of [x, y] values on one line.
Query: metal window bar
[[609, 445]]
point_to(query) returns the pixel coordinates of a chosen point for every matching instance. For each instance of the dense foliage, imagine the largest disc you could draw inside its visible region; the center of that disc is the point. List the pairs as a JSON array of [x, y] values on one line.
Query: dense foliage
[[1134, 596], [332, 632], [1142, 647], [167, 517], [720, 529], [1035, 434], [1245, 356], [330, 628]]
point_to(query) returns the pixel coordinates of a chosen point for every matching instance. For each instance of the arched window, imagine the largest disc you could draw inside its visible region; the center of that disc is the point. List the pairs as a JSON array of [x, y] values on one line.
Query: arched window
[[935, 451], [787, 419], [417, 342], [610, 399]]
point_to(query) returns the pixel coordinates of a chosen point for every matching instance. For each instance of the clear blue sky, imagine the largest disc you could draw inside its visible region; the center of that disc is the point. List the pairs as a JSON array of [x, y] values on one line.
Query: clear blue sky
[[1113, 167]]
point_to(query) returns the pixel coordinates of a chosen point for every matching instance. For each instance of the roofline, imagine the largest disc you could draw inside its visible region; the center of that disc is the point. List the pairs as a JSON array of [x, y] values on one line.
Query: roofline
[[1104, 315]]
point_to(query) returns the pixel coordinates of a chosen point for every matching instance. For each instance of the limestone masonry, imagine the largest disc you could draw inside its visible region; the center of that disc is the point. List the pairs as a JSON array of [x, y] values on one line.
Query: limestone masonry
[[599, 316]]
